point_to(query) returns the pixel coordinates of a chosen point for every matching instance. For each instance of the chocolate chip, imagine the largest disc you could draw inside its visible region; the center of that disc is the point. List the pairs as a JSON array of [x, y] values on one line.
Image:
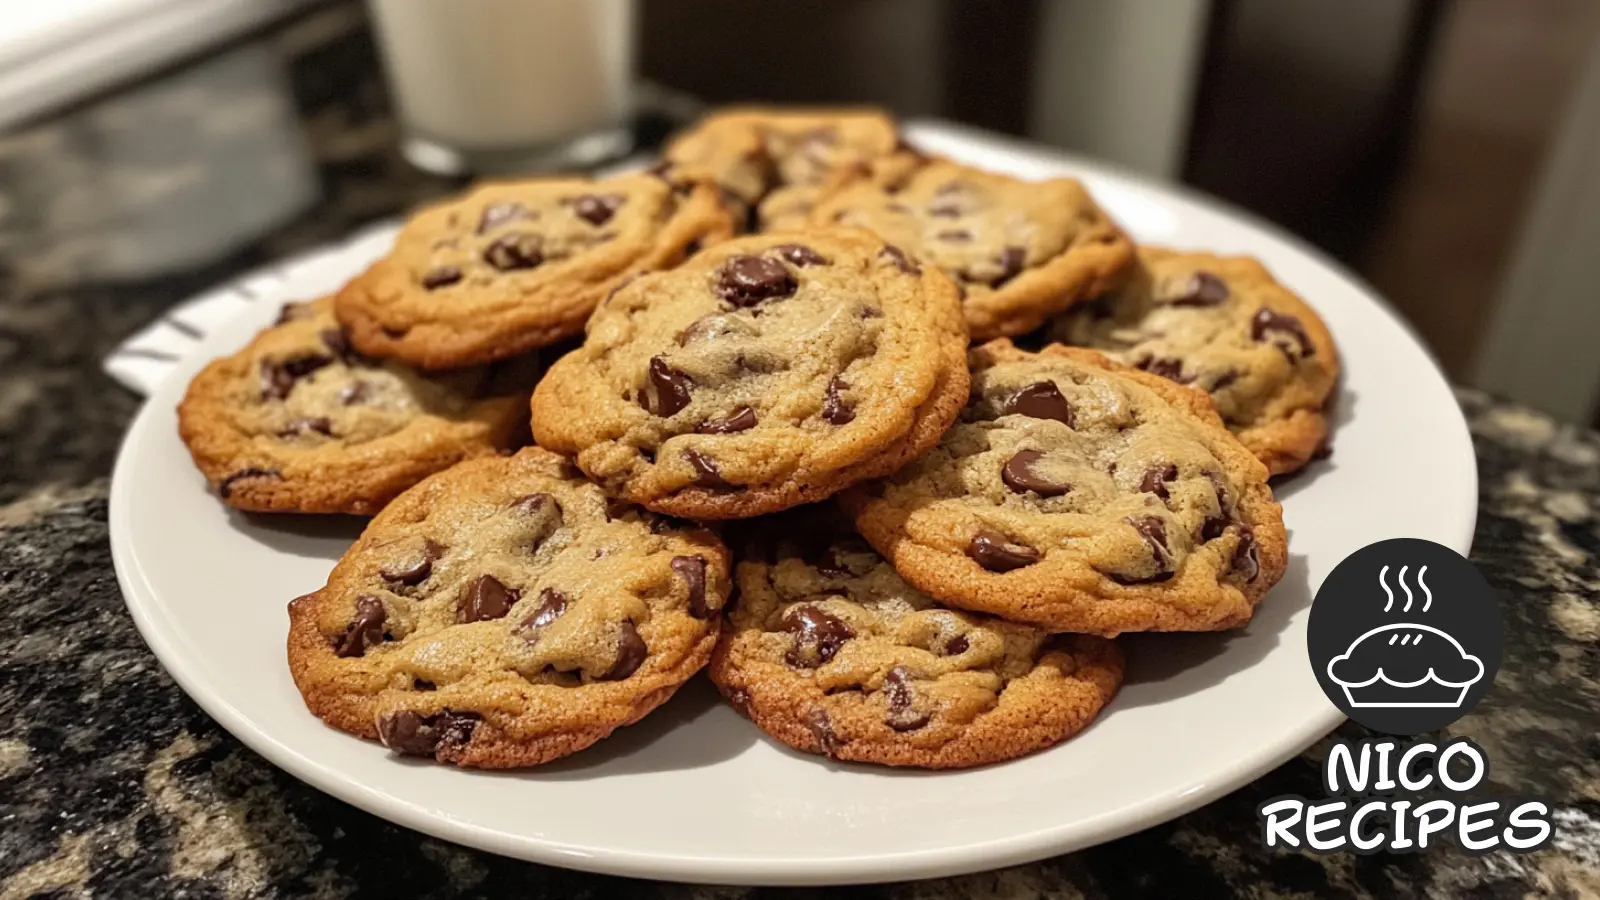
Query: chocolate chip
[[671, 389], [832, 562], [1155, 480], [225, 486], [318, 424], [442, 276], [1202, 289], [995, 552], [1166, 367], [693, 570], [631, 652], [353, 393], [422, 684], [1153, 530], [1040, 400], [498, 214], [822, 729], [416, 569], [800, 255], [706, 473], [818, 635], [414, 734], [897, 684], [1213, 526], [535, 504], [278, 378], [835, 408], [365, 629], [1020, 475], [739, 699], [898, 257], [1228, 377], [957, 645], [743, 419], [749, 280], [955, 235], [336, 340], [1266, 320], [1247, 556], [552, 603], [1010, 261], [515, 251], [597, 209], [484, 598]]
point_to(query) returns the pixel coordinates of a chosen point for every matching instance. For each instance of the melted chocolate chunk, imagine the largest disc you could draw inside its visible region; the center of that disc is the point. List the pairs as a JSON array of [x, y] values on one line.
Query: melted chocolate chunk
[[800, 255], [1020, 475], [1040, 400], [336, 340], [693, 571], [1010, 265], [957, 645], [515, 251], [597, 209], [671, 389], [309, 424], [1153, 530], [442, 276], [997, 553], [1155, 480], [631, 653], [750, 280], [739, 699], [484, 598], [1247, 556], [278, 378], [897, 685], [1213, 526], [225, 486], [552, 603], [1202, 289], [706, 474], [1166, 367], [743, 419], [498, 214], [365, 629], [822, 729], [818, 635], [416, 569], [898, 257], [413, 734], [1265, 320], [835, 408]]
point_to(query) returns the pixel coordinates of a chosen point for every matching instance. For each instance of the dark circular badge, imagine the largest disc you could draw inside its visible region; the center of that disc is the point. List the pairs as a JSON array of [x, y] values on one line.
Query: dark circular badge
[[1405, 636]]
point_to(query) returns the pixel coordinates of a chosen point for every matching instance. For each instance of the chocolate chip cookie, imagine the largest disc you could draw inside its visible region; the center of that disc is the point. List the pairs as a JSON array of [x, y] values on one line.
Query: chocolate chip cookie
[[298, 421], [779, 162], [505, 613], [765, 372], [1224, 325], [518, 265], [1078, 494], [1021, 251], [829, 651]]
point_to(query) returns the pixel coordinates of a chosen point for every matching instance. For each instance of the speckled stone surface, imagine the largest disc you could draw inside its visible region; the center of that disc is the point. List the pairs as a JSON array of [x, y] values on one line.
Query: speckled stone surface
[[114, 784]]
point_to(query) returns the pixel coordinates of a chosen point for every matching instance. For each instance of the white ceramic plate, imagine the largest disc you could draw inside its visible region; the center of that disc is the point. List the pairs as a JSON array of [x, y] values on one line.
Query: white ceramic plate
[[695, 793]]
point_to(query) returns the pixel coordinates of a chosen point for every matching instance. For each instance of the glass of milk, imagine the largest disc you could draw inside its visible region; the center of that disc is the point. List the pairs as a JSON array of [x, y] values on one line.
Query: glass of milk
[[487, 86]]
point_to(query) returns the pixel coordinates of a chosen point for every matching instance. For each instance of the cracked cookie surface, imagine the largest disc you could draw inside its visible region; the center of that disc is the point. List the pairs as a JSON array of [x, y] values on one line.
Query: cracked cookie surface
[[505, 613], [513, 266], [1224, 325], [780, 162], [765, 372], [831, 652], [299, 422], [1078, 494], [1021, 251]]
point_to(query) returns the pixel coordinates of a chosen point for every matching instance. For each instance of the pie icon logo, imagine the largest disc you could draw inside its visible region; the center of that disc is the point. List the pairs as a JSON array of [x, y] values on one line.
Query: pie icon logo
[[1405, 636]]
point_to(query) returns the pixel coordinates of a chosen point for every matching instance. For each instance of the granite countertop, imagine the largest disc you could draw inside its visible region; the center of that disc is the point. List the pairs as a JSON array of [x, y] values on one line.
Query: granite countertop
[[113, 783]]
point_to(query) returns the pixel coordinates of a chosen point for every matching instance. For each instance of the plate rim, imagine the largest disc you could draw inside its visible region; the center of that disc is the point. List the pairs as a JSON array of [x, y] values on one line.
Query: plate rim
[[144, 605]]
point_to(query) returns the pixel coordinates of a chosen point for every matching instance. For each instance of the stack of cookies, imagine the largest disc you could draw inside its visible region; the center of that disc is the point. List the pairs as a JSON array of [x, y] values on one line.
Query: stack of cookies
[[797, 342]]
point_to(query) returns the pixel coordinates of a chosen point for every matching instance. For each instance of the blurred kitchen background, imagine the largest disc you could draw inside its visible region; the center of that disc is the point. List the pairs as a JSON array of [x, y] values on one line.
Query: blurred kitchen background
[[1446, 150]]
